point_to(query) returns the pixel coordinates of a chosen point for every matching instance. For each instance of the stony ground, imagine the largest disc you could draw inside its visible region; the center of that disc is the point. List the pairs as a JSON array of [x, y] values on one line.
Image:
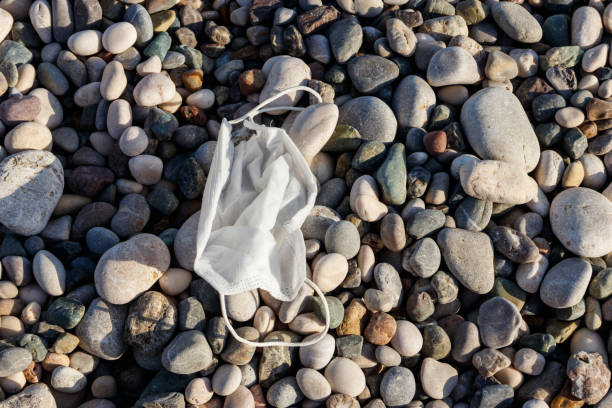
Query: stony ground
[[462, 230]]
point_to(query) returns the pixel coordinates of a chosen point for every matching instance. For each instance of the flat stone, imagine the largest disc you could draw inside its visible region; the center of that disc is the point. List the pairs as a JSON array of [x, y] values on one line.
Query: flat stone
[[499, 322], [370, 73], [469, 256], [131, 267], [187, 353], [492, 112], [566, 283], [31, 183], [101, 330], [516, 22]]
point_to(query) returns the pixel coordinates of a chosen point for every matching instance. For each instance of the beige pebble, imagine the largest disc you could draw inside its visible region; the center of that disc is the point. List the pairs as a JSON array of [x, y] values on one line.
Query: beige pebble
[[119, 117], [113, 81], [8, 290], [173, 104], [87, 95], [438, 379], [605, 89], [54, 360], [85, 363], [154, 89], [27, 77], [573, 175], [364, 199], [307, 323], [6, 23], [28, 136], [264, 320], [330, 272], [322, 166], [510, 376], [593, 316], [549, 171], [529, 361], [33, 293], [588, 340], [119, 37], [226, 379], [526, 60], [199, 391], [453, 94], [407, 340], [203, 99], [175, 281], [569, 117], [313, 384], [240, 398], [85, 43], [345, 376], [104, 386], [595, 58], [68, 380], [10, 306], [153, 65], [11, 326], [31, 313], [589, 83], [366, 261]]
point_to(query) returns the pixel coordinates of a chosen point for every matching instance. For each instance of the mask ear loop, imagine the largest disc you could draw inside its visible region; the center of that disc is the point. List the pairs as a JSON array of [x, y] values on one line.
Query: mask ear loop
[[260, 108], [280, 343]]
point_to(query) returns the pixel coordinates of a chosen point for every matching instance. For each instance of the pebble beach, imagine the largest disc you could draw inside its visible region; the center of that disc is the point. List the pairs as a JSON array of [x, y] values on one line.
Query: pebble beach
[[461, 233]]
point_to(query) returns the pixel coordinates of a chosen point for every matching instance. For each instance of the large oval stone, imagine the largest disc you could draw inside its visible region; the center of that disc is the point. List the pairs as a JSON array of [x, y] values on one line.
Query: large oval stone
[[498, 128], [130, 268], [581, 219]]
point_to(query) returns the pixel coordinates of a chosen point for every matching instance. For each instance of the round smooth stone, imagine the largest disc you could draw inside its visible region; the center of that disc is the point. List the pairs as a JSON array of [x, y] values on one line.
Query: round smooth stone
[[175, 281], [318, 355], [28, 136], [313, 384], [330, 271], [154, 89], [566, 283], [68, 380], [581, 219], [133, 141], [119, 37], [438, 379], [397, 387], [199, 391], [569, 117], [187, 353], [499, 322], [203, 99], [407, 340], [113, 81], [85, 43], [345, 376], [146, 169], [49, 273], [226, 379]]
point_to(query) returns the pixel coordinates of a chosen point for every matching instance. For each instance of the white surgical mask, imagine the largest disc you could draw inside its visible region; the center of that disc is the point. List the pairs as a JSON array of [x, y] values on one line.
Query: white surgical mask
[[256, 198]]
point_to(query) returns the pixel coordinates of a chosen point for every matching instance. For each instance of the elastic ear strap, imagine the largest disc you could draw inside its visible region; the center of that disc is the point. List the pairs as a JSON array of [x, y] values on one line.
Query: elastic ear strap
[[258, 109], [280, 343]]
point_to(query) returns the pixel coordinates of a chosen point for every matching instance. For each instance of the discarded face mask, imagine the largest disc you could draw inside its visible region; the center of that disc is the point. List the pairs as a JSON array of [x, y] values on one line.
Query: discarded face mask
[[257, 196]]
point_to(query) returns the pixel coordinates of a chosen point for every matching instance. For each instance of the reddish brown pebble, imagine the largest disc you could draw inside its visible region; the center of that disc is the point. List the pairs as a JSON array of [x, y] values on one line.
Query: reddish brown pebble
[[317, 18], [589, 129], [89, 180], [192, 79], [381, 329], [19, 109], [193, 115], [251, 81], [33, 373], [258, 396], [598, 109], [435, 142]]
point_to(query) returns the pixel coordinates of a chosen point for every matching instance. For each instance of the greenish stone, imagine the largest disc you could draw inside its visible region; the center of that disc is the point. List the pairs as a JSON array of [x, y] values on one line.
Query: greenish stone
[[562, 57], [439, 7], [548, 133], [571, 313], [66, 343], [419, 306], [440, 117], [545, 106], [159, 46], [163, 20], [391, 176], [561, 331], [472, 11], [510, 291], [11, 247], [369, 156], [345, 138], [574, 143], [601, 285], [445, 286], [336, 310], [35, 345], [14, 53], [581, 98], [193, 57], [556, 31], [161, 123], [65, 312], [277, 361], [25, 34], [436, 343], [349, 346], [336, 74], [165, 381], [543, 343]]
